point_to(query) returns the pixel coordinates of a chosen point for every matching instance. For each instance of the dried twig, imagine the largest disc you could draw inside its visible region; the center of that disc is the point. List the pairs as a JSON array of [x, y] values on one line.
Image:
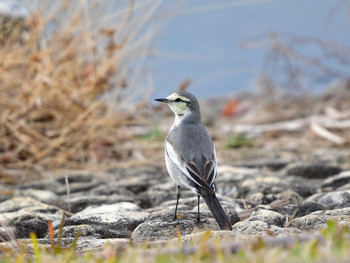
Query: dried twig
[[291, 125], [322, 132]]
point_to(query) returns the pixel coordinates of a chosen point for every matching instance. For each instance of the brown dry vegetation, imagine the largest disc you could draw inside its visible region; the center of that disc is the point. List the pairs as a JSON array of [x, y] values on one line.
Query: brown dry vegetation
[[64, 89]]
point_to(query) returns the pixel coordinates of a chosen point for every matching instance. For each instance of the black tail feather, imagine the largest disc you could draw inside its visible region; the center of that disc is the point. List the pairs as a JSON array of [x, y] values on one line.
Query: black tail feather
[[218, 212]]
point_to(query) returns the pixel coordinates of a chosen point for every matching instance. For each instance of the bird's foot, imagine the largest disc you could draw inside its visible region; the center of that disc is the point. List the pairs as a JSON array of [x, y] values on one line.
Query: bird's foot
[[198, 220]]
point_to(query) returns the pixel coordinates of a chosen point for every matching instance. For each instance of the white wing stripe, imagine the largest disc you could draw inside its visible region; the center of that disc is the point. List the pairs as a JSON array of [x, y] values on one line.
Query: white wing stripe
[[216, 166], [172, 154]]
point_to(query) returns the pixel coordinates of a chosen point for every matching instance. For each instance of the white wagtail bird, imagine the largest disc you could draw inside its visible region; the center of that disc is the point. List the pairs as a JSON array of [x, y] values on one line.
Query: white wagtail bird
[[190, 155]]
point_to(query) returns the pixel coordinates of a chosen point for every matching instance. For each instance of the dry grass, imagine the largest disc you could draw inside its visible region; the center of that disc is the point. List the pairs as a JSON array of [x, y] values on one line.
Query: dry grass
[[67, 88]]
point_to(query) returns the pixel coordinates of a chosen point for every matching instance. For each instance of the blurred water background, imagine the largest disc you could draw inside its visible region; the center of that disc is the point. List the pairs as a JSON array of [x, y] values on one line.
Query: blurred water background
[[227, 46], [205, 40]]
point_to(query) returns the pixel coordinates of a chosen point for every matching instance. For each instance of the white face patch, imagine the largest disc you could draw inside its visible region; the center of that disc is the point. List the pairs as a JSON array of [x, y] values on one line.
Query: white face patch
[[178, 104]]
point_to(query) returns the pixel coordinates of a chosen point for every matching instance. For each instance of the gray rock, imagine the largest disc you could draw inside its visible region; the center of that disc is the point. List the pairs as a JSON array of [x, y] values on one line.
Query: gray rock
[[268, 163], [247, 228], [197, 237], [250, 227], [275, 230], [188, 202], [335, 199], [78, 177], [107, 221], [188, 207], [332, 200], [342, 212], [228, 174], [298, 210], [139, 204], [79, 202], [29, 223], [77, 187], [206, 224], [157, 229], [272, 185], [315, 197], [257, 199], [160, 225], [27, 205], [304, 187], [137, 184], [7, 233], [309, 222], [139, 179], [26, 215], [314, 170], [77, 183], [289, 195], [43, 196], [336, 181], [156, 195], [242, 205], [158, 198], [183, 211], [135, 171], [111, 188], [49, 184], [92, 231], [268, 216], [230, 211], [318, 220], [343, 187], [16, 204], [112, 208], [307, 207]]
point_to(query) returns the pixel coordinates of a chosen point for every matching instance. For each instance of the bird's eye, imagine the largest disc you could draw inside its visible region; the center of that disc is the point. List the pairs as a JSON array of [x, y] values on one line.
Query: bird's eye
[[178, 100]]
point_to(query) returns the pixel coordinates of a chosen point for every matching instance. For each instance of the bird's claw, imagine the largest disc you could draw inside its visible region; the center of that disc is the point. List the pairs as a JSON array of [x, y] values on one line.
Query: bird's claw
[[198, 220]]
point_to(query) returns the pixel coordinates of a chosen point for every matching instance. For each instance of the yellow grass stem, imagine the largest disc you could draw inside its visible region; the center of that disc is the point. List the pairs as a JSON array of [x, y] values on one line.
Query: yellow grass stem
[[36, 249]]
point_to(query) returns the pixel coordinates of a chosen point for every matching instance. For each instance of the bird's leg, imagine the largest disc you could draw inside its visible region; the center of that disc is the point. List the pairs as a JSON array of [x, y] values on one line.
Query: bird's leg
[[198, 215], [198, 219], [177, 201]]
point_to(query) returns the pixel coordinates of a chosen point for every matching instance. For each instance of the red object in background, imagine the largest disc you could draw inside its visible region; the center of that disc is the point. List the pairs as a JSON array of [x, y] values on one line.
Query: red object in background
[[231, 108]]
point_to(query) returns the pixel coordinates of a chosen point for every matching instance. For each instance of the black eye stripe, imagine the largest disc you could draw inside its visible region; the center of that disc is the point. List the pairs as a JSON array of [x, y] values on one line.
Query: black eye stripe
[[180, 100]]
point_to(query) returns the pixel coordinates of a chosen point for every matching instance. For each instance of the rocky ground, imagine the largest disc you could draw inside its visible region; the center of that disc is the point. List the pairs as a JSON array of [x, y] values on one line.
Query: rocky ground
[[287, 184], [137, 204]]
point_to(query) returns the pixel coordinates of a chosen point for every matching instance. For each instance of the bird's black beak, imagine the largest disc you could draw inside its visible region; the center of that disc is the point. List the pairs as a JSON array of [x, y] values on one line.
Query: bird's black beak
[[162, 100]]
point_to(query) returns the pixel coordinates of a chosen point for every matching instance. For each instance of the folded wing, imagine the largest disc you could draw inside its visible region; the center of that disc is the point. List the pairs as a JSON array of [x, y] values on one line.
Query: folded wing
[[202, 172]]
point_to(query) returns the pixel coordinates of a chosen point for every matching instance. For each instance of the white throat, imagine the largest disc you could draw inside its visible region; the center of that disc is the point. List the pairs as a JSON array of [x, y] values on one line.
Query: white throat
[[180, 117]]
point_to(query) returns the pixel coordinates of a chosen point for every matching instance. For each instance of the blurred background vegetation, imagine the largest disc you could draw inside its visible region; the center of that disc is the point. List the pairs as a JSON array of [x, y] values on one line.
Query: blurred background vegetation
[[67, 81], [76, 77]]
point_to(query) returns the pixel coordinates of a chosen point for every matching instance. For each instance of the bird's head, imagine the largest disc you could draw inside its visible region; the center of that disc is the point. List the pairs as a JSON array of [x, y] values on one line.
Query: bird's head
[[183, 104]]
